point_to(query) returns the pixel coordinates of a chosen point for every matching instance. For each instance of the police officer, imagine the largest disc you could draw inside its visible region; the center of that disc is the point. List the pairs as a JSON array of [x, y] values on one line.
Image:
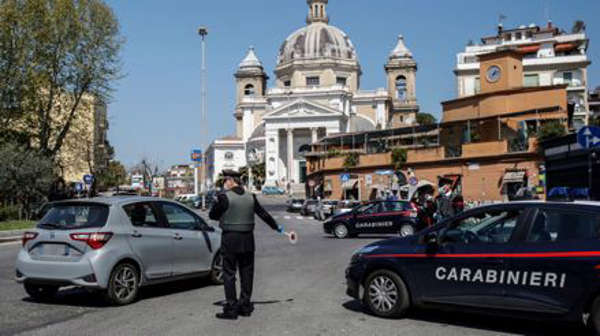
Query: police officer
[[235, 209]]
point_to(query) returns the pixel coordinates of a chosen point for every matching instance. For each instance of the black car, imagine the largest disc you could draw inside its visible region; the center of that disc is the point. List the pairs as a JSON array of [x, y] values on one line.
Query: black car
[[534, 259], [375, 217], [295, 204]]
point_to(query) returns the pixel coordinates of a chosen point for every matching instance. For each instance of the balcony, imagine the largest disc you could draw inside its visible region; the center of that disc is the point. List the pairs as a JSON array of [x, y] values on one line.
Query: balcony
[[425, 154], [337, 163]]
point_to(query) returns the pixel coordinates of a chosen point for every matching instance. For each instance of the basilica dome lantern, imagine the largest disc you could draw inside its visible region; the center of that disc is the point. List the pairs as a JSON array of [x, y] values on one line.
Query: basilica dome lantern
[[317, 54]]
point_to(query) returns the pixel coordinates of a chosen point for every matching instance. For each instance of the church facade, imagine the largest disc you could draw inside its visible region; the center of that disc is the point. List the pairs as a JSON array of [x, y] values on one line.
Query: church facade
[[316, 94]]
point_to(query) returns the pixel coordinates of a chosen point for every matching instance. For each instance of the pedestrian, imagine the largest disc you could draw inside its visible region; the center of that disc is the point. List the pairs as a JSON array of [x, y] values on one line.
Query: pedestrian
[[235, 209]]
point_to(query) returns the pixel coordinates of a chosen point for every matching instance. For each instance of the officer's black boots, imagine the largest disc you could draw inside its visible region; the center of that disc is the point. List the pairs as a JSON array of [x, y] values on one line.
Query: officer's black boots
[[228, 315], [245, 310]]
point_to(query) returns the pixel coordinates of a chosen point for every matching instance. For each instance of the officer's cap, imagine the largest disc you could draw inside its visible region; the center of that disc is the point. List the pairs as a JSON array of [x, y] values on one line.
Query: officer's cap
[[231, 173]]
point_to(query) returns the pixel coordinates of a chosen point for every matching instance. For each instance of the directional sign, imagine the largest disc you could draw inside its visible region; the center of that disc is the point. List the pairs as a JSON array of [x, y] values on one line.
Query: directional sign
[[589, 137], [88, 179], [78, 187], [413, 181], [345, 177], [197, 155]]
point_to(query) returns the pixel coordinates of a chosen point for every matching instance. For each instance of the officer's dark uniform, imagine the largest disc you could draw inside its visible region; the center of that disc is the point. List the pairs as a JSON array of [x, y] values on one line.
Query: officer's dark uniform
[[235, 211]]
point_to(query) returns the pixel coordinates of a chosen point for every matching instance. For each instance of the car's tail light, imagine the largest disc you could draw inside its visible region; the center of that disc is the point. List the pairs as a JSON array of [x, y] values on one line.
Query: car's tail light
[[95, 240], [27, 236]]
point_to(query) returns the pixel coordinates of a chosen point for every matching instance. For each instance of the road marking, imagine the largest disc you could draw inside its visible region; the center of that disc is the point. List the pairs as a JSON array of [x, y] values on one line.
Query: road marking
[[300, 217], [10, 243], [287, 217]]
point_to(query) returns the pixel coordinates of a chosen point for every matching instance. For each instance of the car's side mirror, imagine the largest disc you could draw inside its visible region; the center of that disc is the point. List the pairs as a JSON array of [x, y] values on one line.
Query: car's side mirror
[[431, 242]]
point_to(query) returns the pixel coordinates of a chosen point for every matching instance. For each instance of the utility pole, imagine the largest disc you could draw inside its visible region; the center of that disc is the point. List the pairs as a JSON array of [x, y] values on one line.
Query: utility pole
[[203, 32]]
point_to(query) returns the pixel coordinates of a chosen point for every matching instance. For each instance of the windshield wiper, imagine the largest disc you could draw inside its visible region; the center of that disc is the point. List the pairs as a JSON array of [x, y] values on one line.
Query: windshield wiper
[[50, 225]]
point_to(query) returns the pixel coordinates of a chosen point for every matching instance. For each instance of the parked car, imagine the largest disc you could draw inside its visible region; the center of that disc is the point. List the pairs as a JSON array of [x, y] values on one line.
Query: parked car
[[116, 245], [308, 208], [272, 191], [208, 201], [295, 204], [534, 259], [376, 217], [325, 209]]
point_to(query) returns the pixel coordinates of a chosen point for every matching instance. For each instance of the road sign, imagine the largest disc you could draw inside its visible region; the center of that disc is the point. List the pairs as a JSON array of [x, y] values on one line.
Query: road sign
[[413, 181], [78, 187], [589, 137], [88, 179], [197, 155], [345, 177]]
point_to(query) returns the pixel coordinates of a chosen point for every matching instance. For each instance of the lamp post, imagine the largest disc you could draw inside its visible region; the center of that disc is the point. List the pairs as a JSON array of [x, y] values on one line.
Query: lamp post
[[203, 32], [591, 158]]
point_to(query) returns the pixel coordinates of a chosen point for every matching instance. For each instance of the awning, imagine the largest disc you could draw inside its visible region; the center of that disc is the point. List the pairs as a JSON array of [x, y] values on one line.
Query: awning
[[350, 184], [514, 177]]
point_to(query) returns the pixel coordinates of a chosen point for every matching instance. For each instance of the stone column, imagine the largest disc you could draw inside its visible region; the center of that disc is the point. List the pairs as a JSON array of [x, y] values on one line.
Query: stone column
[[272, 157], [314, 132], [290, 154]]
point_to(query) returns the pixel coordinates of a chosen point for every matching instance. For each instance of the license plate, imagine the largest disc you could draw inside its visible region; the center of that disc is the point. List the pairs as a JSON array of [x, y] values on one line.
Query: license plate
[[54, 250]]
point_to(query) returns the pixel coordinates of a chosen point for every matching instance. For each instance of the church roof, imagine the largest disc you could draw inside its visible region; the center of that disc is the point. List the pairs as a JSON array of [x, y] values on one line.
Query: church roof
[[401, 51], [251, 60]]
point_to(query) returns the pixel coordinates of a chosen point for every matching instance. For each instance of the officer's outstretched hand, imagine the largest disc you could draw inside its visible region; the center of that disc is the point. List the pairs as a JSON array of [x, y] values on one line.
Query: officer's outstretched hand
[[280, 229]]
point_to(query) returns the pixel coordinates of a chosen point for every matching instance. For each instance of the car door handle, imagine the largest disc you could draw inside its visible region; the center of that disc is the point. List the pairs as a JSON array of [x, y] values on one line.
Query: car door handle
[[136, 234], [177, 237]]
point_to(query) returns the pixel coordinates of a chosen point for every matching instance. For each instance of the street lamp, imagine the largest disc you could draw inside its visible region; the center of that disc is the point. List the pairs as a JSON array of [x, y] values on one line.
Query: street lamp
[[203, 32]]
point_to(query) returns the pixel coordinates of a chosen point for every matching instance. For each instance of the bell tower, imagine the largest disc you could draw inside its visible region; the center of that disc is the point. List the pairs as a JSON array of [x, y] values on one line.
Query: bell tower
[[250, 78], [317, 11], [251, 84], [401, 71]]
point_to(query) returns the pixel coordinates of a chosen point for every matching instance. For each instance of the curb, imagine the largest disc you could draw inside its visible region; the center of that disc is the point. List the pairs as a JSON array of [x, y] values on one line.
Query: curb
[[11, 236]]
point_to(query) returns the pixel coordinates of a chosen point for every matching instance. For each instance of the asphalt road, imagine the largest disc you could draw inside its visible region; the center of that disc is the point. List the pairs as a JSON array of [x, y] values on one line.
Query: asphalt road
[[299, 290]]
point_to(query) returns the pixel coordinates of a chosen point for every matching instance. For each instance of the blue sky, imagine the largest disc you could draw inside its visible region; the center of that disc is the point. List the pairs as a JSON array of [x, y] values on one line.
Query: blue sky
[[155, 112]]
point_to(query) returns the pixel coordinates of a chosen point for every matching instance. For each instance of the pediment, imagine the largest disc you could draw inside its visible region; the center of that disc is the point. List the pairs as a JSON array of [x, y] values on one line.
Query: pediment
[[302, 108]]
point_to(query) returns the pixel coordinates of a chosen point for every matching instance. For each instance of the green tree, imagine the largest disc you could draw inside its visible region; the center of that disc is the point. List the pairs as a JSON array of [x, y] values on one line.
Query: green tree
[[114, 175], [399, 157], [25, 176], [425, 119], [551, 129], [56, 57], [351, 160]]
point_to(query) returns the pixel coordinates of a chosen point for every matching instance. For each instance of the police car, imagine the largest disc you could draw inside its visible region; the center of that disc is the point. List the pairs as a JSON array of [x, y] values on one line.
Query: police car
[[533, 259], [375, 217]]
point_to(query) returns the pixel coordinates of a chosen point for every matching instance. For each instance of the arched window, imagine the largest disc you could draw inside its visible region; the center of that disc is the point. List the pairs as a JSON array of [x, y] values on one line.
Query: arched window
[[401, 88], [249, 90]]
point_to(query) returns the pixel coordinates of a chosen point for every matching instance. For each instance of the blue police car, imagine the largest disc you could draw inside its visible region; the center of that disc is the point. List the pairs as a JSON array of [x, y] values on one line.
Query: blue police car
[[537, 259]]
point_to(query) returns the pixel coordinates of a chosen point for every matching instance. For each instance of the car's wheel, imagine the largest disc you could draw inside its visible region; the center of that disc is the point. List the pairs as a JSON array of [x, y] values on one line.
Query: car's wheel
[[216, 270], [406, 230], [593, 321], [41, 292], [123, 284], [340, 231], [386, 294]]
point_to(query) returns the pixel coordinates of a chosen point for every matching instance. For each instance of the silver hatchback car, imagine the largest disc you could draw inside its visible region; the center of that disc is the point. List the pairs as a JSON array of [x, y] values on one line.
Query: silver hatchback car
[[117, 245]]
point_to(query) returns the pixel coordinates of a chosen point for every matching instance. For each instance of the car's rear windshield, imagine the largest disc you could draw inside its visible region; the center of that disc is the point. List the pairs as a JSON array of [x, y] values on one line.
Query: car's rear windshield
[[72, 216]]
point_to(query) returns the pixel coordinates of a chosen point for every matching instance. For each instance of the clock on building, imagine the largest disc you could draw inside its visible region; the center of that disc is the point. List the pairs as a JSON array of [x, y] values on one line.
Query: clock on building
[[493, 74]]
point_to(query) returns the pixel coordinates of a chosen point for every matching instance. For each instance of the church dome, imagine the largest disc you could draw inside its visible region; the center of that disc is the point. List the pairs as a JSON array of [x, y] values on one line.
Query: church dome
[[317, 40]]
